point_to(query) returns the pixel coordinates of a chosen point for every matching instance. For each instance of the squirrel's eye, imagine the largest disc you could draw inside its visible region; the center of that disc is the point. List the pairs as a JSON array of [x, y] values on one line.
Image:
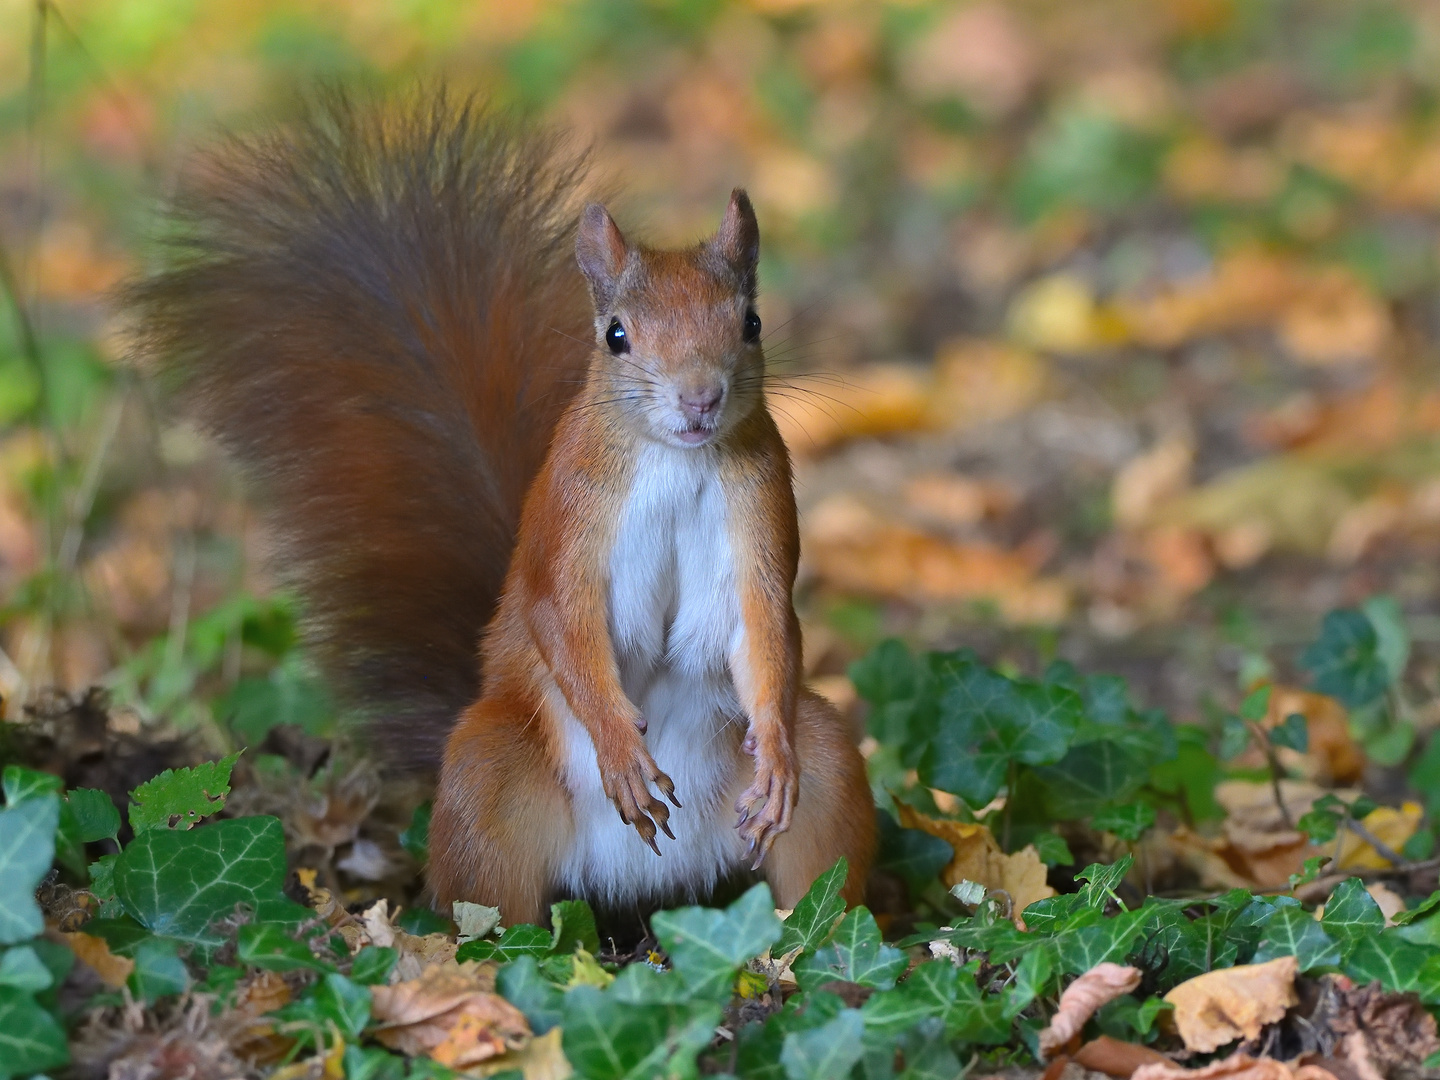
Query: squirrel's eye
[[616, 339], [752, 327]]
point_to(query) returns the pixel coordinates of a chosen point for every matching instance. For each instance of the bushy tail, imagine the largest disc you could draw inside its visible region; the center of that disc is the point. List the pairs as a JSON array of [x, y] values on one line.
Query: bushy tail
[[376, 311]]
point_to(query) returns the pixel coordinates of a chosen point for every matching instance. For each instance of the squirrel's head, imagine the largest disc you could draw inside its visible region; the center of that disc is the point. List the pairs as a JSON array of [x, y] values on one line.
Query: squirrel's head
[[677, 333]]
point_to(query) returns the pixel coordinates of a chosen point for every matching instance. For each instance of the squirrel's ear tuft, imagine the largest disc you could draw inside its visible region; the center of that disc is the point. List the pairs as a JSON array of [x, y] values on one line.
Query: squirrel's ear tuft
[[601, 251], [738, 238]]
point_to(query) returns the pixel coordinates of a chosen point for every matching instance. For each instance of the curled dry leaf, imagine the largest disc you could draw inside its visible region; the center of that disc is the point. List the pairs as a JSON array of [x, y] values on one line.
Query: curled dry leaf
[[376, 927], [1232, 1003], [95, 953], [1234, 1067], [1082, 998], [1114, 1057], [1383, 1034], [1020, 875], [451, 1014], [540, 1059]]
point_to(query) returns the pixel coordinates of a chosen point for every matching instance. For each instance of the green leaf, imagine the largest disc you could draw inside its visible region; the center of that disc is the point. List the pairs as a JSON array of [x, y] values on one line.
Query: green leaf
[[1393, 962], [516, 941], [1052, 849], [707, 946], [1293, 734], [910, 854], [606, 1039], [1351, 913], [22, 784], [809, 925], [95, 815], [574, 927], [1346, 660], [30, 1039], [1080, 948], [24, 970], [987, 722], [1127, 822], [416, 838], [186, 795], [265, 945], [1292, 931], [27, 847], [177, 883], [927, 1053], [1309, 870], [931, 990], [521, 984], [1090, 776], [1101, 881], [826, 1052], [345, 1002], [1256, 704], [372, 965], [1234, 737], [855, 954], [1034, 977], [1391, 633], [159, 971]]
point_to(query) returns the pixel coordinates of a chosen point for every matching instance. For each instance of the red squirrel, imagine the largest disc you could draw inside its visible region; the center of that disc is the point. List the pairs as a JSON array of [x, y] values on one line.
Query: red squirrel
[[376, 311]]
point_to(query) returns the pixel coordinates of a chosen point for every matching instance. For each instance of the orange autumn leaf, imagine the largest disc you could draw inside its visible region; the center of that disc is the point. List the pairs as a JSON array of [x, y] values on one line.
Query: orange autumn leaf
[[1099, 986], [449, 1014], [1221, 1006], [1234, 1067], [95, 953], [1020, 875]]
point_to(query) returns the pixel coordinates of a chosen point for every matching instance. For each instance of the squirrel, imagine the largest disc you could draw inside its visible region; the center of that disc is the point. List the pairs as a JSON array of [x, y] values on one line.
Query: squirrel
[[467, 445]]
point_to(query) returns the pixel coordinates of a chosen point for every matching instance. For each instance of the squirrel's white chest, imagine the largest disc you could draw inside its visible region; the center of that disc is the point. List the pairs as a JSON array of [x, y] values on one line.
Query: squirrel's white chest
[[674, 622]]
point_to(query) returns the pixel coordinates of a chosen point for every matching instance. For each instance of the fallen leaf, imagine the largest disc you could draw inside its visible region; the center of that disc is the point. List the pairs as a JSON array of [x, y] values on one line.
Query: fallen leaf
[[262, 992], [1151, 479], [1232, 1003], [1333, 757], [1334, 320], [449, 1013], [953, 499], [95, 953], [1389, 902], [474, 920], [1102, 984], [1234, 1067], [1020, 875], [881, 399], [1056, 313], [1115, 1058], [539, 1059]]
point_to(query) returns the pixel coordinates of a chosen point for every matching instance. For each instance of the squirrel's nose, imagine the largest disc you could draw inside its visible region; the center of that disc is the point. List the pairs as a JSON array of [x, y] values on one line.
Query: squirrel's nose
[[702, 403]]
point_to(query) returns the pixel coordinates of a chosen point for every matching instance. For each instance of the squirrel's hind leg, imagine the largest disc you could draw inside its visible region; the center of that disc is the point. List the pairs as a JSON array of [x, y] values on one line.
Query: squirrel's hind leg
[[835, 813], [502, 819]]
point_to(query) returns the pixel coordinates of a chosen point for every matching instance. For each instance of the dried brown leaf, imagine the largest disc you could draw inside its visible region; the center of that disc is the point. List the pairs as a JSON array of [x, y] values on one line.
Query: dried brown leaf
[[1234, 1067], [1114, 1057], [1082, 998], [95, 953], [449, 1013], [1020, 874], [1232, 1003]]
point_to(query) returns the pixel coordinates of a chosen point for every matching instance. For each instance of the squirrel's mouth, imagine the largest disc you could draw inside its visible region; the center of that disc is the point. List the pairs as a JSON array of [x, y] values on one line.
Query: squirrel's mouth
[[695, 434]]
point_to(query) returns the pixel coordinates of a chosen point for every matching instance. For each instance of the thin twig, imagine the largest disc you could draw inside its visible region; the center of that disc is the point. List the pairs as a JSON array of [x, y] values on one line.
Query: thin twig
[[1381, 848]]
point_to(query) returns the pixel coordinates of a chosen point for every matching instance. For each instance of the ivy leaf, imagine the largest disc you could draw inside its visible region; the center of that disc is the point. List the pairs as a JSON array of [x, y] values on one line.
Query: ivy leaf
[[1127, 822], [183, 794], [606, 1039], [1234, 737], [95, 815], [24, 970], [1346, 661], [1292, 931], [416, 837], [927, 1053], [1033, 978], [1080, 948], [516, 941], [855, 954], [1256, 704], [911, 854], [1351, 913], [345, 1002], [265, 945], [159, 971], [931, 990], [1391, 633], [708, 946], [372, 965], [27, 847], [988, 721], [1052, 849], [177, 883], [1090, 776], [809, 925], [1101, 881], [521, 984], [825, 1052], [1393, 962], [574, 925], [22, 784], [1292, 734], [30, 1039]]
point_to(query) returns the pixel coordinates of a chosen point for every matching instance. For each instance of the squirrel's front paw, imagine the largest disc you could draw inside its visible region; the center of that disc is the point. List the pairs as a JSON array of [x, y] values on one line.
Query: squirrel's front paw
[[627, 783], [767, 804]]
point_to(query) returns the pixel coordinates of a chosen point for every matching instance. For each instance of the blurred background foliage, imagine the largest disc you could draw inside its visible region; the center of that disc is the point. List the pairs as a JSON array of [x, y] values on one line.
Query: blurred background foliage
[[1126, 310]]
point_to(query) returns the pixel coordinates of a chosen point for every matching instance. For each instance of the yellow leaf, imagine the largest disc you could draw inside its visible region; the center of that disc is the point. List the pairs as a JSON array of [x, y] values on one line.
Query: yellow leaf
[[1019, 875]]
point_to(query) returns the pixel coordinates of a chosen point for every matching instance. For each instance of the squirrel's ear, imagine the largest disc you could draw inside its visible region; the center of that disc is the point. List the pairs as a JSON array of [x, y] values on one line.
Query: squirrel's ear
[[738, 238], [601, 251]]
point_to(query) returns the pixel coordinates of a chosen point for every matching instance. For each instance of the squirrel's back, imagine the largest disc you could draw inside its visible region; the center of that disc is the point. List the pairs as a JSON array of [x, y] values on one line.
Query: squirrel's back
[[376, 310]]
